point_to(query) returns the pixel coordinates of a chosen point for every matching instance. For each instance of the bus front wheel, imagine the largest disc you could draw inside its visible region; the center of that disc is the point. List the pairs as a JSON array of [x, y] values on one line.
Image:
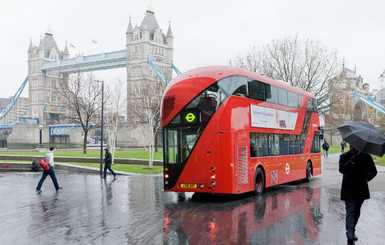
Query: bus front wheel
[[259, 182]]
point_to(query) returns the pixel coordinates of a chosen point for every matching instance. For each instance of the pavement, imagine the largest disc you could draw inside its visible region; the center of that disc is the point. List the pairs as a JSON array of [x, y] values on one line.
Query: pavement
[[134, 209]]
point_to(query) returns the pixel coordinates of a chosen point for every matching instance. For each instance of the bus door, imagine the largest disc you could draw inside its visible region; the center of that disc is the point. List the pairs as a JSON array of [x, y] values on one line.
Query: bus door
[[242, 176]]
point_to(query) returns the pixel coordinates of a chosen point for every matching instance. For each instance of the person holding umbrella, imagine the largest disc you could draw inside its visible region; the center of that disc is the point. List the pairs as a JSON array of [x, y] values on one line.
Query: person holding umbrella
[[358, 169]]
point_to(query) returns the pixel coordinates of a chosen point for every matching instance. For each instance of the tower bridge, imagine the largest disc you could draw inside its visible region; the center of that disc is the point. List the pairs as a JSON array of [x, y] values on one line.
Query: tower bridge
[[47, 65]]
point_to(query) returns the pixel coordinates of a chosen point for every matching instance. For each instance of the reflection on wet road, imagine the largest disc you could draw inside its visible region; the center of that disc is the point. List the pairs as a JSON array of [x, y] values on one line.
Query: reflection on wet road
[[135, 210], [286, 216]]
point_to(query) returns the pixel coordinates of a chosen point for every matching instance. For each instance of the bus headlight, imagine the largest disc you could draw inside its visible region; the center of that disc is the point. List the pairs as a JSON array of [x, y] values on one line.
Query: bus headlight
[[202, 186], [166, 182], [166, 176], [213, 184]]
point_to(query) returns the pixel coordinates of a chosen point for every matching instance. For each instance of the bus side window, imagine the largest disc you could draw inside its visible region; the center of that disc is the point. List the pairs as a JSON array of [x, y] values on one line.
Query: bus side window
[[271, 94], [233, 85], [257, 90], [293, 100], [284, 144], [282, 97]]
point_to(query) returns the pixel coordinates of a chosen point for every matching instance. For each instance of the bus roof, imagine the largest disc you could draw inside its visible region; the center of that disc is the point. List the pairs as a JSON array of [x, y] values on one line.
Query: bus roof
[[183, 88], [219, 72]]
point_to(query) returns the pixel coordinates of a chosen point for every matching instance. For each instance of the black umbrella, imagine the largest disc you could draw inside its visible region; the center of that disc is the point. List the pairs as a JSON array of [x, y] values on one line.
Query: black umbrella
[[363, 136]]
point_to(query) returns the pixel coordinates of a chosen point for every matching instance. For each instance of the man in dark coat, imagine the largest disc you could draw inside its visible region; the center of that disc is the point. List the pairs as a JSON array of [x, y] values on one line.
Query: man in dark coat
[[108, 163], [358, 169]]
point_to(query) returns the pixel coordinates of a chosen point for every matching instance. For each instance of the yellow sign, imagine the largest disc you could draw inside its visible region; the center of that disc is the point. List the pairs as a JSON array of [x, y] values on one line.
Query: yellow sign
[[188, 185], [190, 117]]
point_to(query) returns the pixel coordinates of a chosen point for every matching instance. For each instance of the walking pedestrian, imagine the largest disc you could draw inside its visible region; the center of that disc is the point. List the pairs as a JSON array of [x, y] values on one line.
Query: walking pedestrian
[[51, 172], [325, 146], [358, 169], [108, 163], [343, 145]]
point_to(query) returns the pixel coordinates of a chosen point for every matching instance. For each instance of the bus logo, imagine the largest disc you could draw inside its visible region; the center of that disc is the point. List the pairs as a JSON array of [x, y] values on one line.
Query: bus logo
[[190, 117]]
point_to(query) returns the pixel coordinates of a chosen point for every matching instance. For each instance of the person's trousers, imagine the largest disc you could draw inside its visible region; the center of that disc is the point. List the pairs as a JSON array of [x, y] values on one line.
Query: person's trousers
[[325, 153], [353, 211], [51, 173], [108, 166]]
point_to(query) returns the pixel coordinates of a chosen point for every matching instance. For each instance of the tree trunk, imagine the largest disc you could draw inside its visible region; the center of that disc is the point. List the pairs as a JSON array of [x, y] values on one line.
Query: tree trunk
[[85, 142], [156, 141]]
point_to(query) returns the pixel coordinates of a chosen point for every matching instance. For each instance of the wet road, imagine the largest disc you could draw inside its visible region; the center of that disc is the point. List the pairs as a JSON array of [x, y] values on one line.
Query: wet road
[[135, 210]]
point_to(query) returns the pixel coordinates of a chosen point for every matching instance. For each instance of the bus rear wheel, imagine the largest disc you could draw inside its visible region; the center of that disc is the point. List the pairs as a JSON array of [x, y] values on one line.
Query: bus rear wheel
[[259, 185], [308, 172]]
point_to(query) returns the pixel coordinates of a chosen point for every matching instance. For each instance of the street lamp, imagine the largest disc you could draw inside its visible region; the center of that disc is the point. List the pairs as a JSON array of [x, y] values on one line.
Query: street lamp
[[101, 131], [41, 136]]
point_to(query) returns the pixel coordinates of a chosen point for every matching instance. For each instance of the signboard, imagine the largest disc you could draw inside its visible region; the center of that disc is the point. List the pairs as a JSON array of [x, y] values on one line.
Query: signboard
[[264, 117], [189, 117]]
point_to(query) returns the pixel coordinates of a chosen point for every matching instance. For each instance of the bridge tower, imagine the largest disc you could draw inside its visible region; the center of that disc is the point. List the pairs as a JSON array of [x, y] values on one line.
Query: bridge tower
[[44, 100], [146, 40]]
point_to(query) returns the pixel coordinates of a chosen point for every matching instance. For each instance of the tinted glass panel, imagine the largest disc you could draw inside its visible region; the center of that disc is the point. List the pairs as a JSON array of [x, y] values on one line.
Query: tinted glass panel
[[257, 90], [271, 94]]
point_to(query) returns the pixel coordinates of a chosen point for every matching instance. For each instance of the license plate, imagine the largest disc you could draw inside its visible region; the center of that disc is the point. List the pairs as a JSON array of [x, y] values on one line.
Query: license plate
[[188, 185]]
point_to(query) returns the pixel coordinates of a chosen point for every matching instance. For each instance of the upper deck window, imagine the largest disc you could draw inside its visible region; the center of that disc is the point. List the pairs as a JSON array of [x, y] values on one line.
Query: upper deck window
[[233, 85]]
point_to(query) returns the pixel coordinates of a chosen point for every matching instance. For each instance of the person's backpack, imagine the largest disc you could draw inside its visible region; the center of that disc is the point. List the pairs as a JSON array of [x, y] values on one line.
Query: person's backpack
[[45, 165], [35, 166]]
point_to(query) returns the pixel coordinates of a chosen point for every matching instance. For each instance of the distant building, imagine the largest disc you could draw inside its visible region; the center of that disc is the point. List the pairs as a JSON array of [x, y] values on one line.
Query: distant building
[[45, 103], [18, 110], [146, 40], [343, 105], [381, 81]]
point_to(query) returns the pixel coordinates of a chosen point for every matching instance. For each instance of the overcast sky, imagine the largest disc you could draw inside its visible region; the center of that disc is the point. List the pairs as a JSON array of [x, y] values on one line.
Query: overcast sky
[[206, 32]]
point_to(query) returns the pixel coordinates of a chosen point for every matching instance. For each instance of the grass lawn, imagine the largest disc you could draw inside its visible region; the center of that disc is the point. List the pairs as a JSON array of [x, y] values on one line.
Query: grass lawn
[[131, 168], [142, 154], [337, 149]]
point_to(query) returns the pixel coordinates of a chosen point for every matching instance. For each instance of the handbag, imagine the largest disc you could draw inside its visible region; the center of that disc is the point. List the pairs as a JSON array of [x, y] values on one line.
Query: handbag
[[45, 165]]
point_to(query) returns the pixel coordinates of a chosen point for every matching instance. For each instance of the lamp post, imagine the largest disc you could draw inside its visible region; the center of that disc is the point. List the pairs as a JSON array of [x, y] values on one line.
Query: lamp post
[[41, 136], [101, 131]]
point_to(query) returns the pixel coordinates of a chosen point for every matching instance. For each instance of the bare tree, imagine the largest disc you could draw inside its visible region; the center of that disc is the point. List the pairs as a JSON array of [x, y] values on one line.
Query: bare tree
[[114, 114], [145, 112], [82, 95], [307, 65]]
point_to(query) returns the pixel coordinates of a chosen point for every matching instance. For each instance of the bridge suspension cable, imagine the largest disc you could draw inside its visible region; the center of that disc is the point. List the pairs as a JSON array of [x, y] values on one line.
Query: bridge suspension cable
[[13, 100], [175, 69], [158, 72]]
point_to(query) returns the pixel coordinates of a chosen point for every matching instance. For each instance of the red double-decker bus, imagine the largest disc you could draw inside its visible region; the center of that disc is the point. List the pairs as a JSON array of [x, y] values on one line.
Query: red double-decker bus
[[228, 130]]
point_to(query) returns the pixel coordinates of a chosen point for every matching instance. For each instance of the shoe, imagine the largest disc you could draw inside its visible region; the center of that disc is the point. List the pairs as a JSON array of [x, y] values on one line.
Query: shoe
[[350, 241], [115, 176], [355, 238], [38, 191], [59, 188]]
